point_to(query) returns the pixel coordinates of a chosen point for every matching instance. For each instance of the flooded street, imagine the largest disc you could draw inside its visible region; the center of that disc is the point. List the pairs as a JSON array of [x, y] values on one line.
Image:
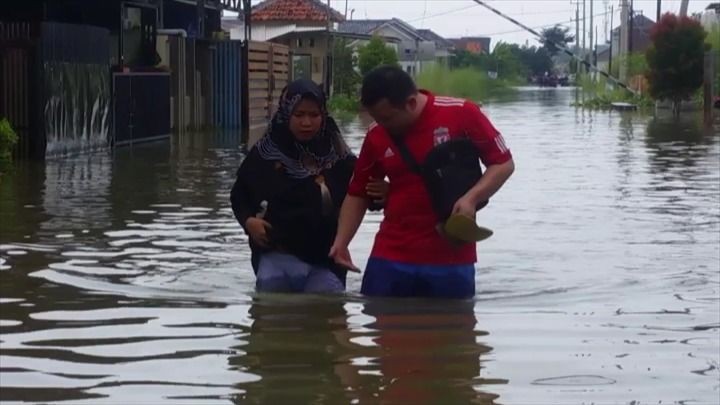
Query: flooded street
[[124, 279]]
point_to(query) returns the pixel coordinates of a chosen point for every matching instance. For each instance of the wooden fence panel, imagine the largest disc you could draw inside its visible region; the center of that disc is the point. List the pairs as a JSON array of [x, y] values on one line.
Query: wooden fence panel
[[268, 73]]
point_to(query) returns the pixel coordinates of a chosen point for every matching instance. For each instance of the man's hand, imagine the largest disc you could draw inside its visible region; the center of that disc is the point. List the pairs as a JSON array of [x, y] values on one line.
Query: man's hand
[[258, 230], [465, 206], [341, 255]]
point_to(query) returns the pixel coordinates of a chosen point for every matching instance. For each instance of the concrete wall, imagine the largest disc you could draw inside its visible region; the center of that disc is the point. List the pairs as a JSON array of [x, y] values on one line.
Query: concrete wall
[[313, 45]]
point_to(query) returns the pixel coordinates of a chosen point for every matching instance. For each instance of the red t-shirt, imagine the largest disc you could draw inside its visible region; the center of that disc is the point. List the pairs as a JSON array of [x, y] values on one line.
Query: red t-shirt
[[408, 232]]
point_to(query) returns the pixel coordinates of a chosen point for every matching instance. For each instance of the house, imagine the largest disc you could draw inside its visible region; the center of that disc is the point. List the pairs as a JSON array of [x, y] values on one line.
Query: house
[[302, 25], [710, 19], [102, 52], [415, 51], [472, 44], [603, 57], [640, 39], [443, 47]]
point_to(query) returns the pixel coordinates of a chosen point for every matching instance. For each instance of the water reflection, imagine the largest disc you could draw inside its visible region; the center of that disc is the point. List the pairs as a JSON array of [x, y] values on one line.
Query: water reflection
[[296, 346], [124, 278], [327, 351], [427, 352]]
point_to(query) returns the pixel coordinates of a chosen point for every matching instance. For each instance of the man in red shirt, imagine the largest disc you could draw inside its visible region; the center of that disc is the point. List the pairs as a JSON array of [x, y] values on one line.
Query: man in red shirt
[[410, 256]]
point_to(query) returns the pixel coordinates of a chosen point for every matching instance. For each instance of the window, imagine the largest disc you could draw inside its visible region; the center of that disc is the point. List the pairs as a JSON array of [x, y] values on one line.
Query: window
[[312, 43], [299, 43], [408, 51], [301, 67]]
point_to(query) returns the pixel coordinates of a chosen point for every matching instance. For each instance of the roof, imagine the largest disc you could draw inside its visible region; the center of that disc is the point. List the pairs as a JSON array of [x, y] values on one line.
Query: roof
[[294, 10], [640, 22], [431, 35], [369, 26], [363, 27], [470, 44]]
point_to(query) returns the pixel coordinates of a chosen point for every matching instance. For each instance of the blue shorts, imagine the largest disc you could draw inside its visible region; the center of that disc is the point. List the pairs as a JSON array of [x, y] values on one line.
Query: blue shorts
[[284, 273], [385, 278]]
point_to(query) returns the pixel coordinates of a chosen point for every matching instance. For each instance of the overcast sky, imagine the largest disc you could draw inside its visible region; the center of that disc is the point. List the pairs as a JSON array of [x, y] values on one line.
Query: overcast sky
[[454, 18]]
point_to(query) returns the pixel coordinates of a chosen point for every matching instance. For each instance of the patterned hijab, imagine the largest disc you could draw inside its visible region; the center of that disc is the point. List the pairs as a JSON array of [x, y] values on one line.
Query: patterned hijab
[[302, 159]]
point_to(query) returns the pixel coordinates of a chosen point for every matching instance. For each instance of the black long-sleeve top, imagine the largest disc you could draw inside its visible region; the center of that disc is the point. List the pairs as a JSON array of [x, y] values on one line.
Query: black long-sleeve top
[[294, 208]]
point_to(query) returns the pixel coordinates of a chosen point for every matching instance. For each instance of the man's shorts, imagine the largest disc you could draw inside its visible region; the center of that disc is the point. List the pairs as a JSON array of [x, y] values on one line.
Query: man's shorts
[[385, 278]]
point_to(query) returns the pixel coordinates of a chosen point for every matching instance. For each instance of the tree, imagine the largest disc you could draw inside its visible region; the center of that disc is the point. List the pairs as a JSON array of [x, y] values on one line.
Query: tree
[[375, 54], [556, 35], [506, 58], [345, 78], [537, 60], [675, 59]]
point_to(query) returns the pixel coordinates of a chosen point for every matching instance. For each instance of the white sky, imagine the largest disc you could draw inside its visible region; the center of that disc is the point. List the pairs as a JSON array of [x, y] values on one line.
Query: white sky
[[454, 18]]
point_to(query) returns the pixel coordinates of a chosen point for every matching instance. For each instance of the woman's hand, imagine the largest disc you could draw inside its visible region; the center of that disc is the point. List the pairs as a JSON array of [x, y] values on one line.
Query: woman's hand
[[258, 231], [377, 190]]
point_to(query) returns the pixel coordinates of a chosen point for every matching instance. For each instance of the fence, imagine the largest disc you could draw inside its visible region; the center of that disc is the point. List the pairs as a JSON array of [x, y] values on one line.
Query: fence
[[54, 86], [208, 87], [17, 88], [268, 73]]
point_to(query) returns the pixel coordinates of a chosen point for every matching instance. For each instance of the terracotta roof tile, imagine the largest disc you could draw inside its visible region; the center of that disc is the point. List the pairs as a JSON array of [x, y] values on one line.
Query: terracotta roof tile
[[294, 10]]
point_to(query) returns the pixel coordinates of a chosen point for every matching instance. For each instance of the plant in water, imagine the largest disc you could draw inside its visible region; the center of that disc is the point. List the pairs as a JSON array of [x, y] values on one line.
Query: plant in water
[[8, 139], [675, 59], [466, 83]]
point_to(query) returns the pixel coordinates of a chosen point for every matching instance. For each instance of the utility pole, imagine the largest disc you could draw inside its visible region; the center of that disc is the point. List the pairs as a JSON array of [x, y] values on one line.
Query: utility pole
[[610, 56], [346, 8], [592, 28], [577, 36], [623, 38], [329, 58], [659, 10], [584, 33], [684, 8], [605, 19], [631, 30]]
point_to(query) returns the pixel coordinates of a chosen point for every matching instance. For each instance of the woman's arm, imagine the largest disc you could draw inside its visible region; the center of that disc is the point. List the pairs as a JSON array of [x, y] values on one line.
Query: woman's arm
[[240, 195]]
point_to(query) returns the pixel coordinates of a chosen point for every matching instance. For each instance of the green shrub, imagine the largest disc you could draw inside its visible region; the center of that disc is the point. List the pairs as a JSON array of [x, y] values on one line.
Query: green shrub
[[8, 139]]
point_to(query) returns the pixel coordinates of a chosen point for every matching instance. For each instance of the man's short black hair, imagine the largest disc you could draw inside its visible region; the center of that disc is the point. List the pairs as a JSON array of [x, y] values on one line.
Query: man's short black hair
[[390, 82]]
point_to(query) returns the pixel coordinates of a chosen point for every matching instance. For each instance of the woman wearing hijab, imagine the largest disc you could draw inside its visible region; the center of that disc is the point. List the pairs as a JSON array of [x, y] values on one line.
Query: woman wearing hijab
[[288, 193]]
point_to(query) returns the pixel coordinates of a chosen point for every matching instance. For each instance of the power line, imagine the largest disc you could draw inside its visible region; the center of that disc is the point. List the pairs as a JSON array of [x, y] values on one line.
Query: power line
[[443, 13], [539, 26]]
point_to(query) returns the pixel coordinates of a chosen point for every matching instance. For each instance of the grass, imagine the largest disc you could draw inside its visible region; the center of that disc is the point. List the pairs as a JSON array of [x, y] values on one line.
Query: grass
[[465, 83], [600, 96]]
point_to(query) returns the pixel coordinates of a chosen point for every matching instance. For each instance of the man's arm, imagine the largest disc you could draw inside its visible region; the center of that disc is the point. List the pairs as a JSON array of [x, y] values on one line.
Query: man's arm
[[351, 216], [354, 206], [489, 184], [495, 155]]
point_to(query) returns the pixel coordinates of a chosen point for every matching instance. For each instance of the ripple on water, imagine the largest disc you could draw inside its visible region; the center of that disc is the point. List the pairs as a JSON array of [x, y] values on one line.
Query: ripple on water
[[575, 380]]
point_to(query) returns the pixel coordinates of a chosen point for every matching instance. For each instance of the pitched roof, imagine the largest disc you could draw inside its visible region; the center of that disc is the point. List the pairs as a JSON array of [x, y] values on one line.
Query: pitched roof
[[369, 26], [360, 26], [431, 35], [640, 22], [294, 10]]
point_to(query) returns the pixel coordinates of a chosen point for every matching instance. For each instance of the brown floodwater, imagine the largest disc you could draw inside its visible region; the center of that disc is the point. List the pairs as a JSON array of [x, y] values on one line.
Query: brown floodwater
[[124, 279]]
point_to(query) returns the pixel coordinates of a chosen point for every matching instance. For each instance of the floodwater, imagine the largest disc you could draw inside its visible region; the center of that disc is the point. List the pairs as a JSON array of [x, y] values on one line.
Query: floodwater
[[124, 279]]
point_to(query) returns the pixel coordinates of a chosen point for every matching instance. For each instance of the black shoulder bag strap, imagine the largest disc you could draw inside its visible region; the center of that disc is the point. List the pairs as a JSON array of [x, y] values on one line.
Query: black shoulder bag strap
[[408, 157]]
